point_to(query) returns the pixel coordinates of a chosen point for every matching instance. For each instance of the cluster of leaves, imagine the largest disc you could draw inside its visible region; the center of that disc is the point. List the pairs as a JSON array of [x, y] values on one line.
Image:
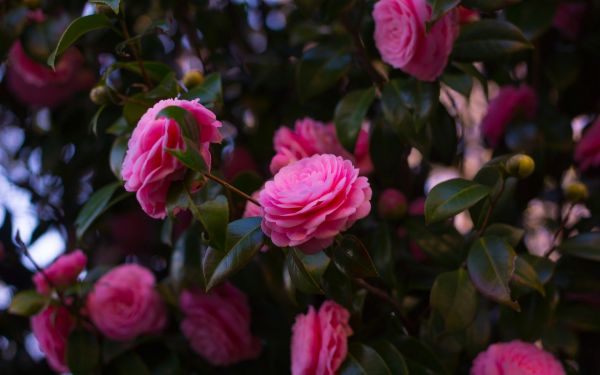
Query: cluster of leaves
[[408, 316]]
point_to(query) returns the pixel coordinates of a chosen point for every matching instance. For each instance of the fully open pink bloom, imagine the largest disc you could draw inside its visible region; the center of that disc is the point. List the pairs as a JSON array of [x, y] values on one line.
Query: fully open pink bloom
[[516, 358], [568, 18], [37, 85], [51, 328], [404, 43], [124, 303], [510, 104], [587, 151], [217, 325], [148, 169], [320, 340], [62, 273], [312, 200], [310, 137]]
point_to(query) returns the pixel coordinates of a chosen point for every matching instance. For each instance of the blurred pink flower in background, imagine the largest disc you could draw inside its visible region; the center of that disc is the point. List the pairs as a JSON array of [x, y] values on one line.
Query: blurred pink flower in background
[[568, 18], [392, 204], [466, 15], [51, 328], [516, 358], [217, 325], [402, 40], [62, 273], [238, 161], [320, 340], [510, 104], [36, 84], [587, 151]]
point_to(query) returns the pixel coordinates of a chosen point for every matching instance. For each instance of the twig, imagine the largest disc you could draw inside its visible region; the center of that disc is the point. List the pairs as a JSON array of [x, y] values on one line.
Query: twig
[[134, 49], [561, 228], [488, 214], [230, 187]]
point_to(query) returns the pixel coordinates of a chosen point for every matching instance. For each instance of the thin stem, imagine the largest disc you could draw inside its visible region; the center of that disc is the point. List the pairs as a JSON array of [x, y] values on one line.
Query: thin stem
[[134, 50], [561, 228], [488, 214], [230, 187]]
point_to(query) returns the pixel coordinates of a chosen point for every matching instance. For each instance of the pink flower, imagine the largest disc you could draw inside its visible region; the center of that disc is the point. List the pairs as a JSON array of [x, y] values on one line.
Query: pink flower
[[417, 207], [51, 328], [320, 340], [37, 85], [392, 204], [310, 137], [568, 18], [510, 104], [148, 169], [516, 358], [253, 210], [587, 151], [466, 15], [402, 40], [217, 325], [62, 273], [124, 304], [312, 200]]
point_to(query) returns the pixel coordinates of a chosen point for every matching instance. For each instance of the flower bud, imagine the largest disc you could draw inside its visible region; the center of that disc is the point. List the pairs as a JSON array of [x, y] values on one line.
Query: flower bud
[[99, 95], [520, 166], [577, 192], [392, 204], [192, 78]]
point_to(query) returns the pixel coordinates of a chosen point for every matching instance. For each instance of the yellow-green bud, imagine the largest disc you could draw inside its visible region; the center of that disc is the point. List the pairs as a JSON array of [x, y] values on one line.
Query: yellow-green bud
[[520, 166], [99, 95], [577, 192], [192, 78]]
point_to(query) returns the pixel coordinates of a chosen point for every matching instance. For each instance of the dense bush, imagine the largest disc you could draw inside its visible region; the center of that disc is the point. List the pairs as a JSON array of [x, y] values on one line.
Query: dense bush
[[314, 187]]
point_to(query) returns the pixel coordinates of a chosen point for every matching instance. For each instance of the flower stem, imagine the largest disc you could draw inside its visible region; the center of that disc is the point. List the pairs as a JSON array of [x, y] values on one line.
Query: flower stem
[[488, 214], [561, 228], [230, 187]]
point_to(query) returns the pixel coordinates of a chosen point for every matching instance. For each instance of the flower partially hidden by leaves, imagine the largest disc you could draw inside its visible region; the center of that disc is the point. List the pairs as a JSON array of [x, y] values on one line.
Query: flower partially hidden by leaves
[[516, 357], [51, 329]]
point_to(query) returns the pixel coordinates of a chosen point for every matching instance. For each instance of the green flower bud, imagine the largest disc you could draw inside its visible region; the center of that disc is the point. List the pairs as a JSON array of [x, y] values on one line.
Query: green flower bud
[[192, 78], [520, 166], [577, 192], [100, 95]]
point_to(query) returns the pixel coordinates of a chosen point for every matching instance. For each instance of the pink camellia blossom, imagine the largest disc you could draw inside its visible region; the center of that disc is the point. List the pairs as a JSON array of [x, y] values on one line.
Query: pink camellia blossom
[[253, 210], [587, 151], [37, 85], [392, 204], [217, 325], [516, 358], [511, 103], [148, 169], [62, 273], [466, 15], [404, 43], [568, 18], [310, 137], [320, 340], [312, 200], [51, 328], [124, 303]]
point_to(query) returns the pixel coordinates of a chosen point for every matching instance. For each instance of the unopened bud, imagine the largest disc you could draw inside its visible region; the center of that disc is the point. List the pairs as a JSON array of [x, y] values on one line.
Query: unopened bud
[[520, 166], [577, 192], [192, 78], [100, 95], [392, 204]]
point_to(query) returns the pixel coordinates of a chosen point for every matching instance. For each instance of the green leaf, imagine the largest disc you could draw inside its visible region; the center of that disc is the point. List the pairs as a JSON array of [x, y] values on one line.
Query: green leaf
[[320, 68], [452, 197], [526, 275], [585, 245], [471, 70], [95, 118], [214, 215], [117, 154], [392, 357], [410, 96], [190, 157], [129, 364], [349, 115], [441, 7], [459, 82], [533, 17], [454, 296], [187, 123], [489, 40], [83, 352], [75, 30], [352, 257], [94, 207], [306, 271], [512, 235], [27, 303], [419, 357], [441, 241], [491, 264], [244, 239], [156, 71], [113, 4], [186, 261], [543, 267], [489, 5], [210, 91], [363, 360]]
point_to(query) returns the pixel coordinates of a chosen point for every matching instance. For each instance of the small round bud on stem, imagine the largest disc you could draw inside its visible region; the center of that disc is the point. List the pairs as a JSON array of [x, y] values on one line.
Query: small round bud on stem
[[392, 204], [192, 78], [577, 192], [99, 95], [520, 166]]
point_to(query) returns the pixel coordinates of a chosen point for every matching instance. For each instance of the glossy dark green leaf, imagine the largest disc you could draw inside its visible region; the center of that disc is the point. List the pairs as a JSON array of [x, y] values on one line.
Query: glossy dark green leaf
[[420, 359], [95, 206], [441, 242], [489, 5], [186, 261], [418, 99], [444, 137], [441, 7], [543, 267], [190, 156], [187, 123], [156, 71], [320, 68], [306, 271], [363, 360], [349, 115], [533, 17], [491, 264], [391, 355], [489, 40], [209, 91], [454, 296], [452, 197], [27, 303], [83, 352], [478, 333], [459, 82], [584, 245], [214, 215], [243, 240], [526, 275], [113, 4], [511, 234], [117, 154], [383, 253], [352, 257], [472, 70], [75, 30]]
